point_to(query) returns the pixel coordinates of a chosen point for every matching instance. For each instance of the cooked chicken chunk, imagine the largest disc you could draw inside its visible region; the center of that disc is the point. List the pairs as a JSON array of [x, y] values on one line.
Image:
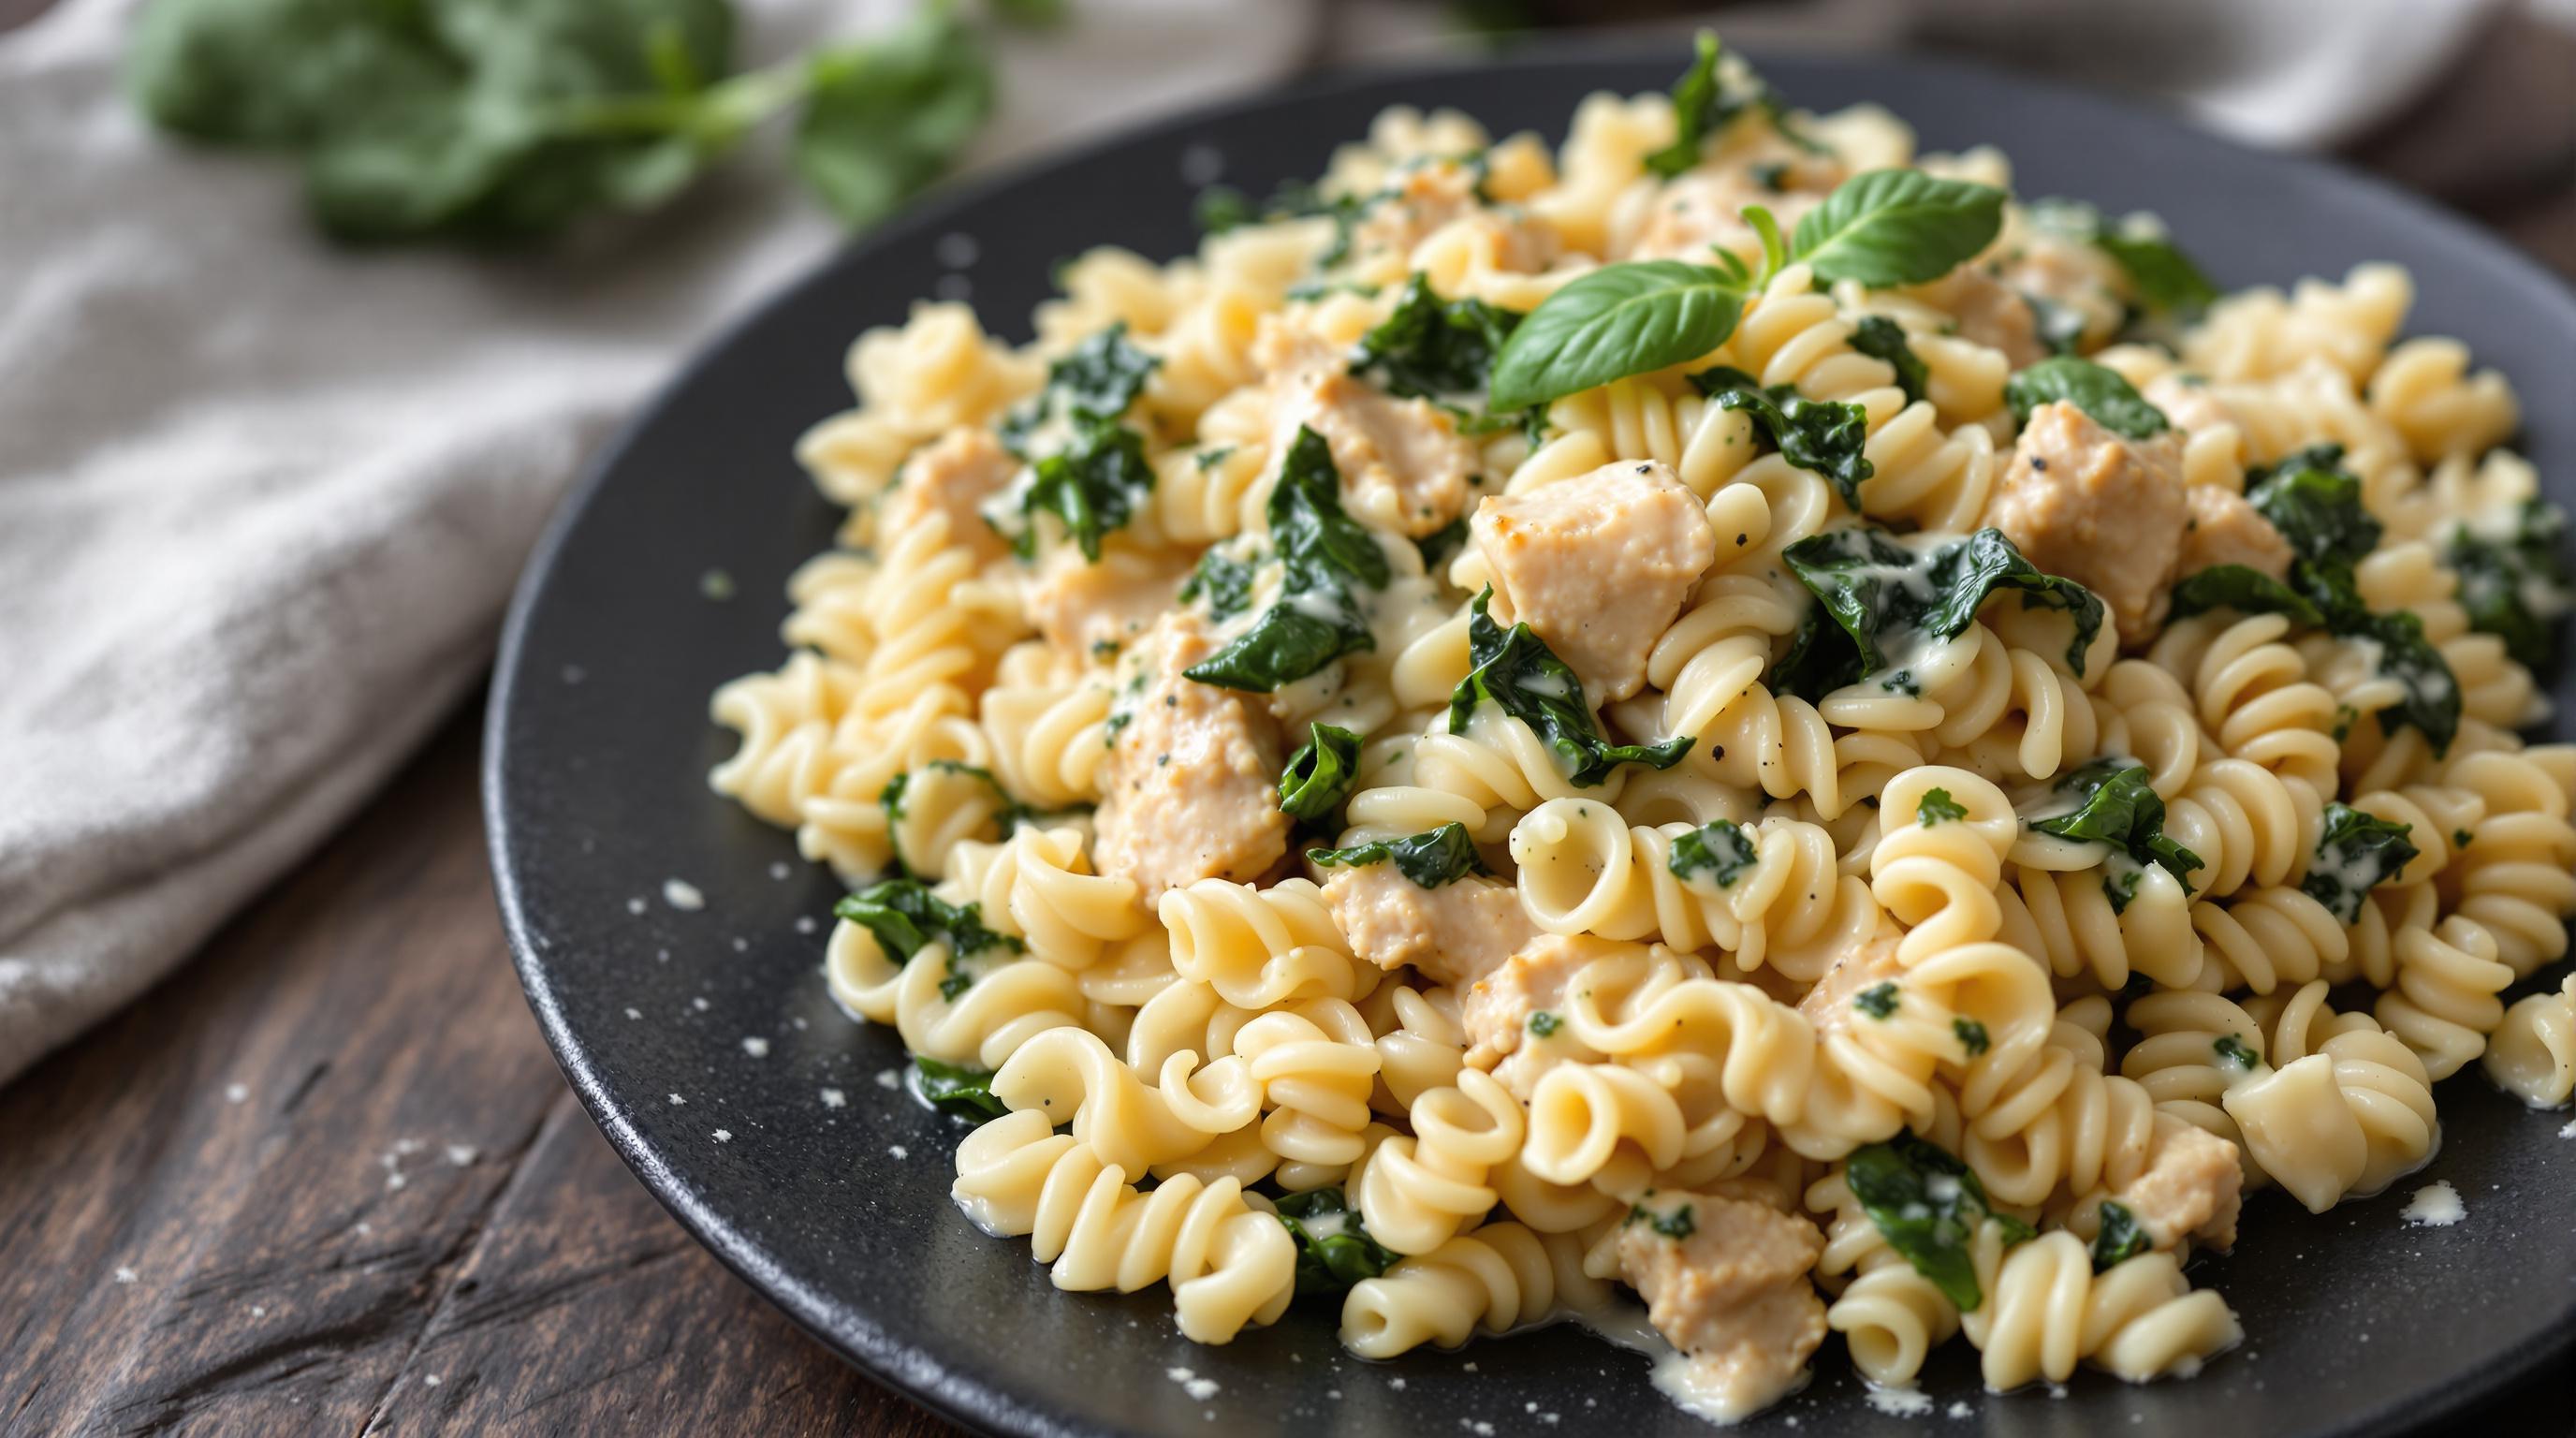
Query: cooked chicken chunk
[[2190, 1189], [2100, 509], [1429, 198], [952, 477], [1702, 208], [1496, 1011], [1828, 1006], [1080, 605], [1404, 465], [2224, 529], [1188, 790], [1454, 934], [1598, 565], [1726, 1280]]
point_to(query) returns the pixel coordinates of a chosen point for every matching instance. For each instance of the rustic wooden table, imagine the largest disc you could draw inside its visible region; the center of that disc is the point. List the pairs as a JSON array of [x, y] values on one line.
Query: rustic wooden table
[[327, 1178]]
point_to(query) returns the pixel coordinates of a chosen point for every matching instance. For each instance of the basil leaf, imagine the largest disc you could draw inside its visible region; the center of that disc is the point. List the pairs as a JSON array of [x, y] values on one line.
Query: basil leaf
[[1891, 600], [2116, 805], [1442, 856], [1326, 556], [2163, 276], [1430, 348], [1897, 227], [1519, 673], [2514, 584], [1334, 1249], [1882, 338], [1320, 775], [2355, 853], [1928, 1206], [1717, 849], [2112, 402], [1612, 322], [2120, 1238], [2247, 591], [1818, 435], [905, 917], [960, 1089]]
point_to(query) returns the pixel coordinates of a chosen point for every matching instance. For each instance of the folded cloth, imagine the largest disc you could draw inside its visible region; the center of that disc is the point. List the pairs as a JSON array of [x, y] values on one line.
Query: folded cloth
[[261, 500]]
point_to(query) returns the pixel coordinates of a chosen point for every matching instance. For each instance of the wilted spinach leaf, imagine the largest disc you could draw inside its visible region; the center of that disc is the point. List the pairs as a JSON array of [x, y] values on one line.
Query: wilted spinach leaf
[[2514, 584], [1326, 557], [1813, 434], [1882, 338], [1334, 1249], [962, 1089], [1928, 1206], [1442, 856], [905, 917], [2355, 853], [2112, 402], [1892, 599], [1717, 850], [1319, 775], [2116, 805], [1516, 671], [2120, 1238]]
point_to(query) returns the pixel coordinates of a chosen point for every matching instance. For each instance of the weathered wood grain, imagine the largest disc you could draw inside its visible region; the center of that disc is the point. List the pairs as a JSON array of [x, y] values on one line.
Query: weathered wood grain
[[328, 1179]]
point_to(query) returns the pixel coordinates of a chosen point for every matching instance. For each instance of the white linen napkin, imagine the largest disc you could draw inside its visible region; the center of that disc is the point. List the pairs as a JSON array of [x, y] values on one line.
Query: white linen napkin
[[261, 500]]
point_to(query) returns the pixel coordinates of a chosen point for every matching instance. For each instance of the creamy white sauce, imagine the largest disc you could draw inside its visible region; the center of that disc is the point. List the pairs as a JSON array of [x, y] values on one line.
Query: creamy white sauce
[[1674, 1375]]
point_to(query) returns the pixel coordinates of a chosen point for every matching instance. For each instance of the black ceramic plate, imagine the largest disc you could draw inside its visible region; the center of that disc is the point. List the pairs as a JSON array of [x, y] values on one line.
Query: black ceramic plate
[[829, 1192]]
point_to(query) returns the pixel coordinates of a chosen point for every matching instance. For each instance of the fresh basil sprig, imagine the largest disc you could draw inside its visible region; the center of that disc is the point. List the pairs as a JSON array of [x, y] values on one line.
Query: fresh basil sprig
[[1881, 227], [1441, 856], [1928, 1206], [1326, 557], [1613, 322], [1897, 227], [1320, 774], [2356, 852], [2113, 402], [1517, 672], [446, 120]]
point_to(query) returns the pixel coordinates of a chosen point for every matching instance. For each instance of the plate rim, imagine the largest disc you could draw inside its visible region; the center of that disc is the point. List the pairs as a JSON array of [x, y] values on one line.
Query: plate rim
[[850, 1333]]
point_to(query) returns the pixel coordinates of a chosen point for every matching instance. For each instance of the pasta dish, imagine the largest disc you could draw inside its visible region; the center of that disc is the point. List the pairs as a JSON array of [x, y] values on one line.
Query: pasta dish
[[1726, 709]]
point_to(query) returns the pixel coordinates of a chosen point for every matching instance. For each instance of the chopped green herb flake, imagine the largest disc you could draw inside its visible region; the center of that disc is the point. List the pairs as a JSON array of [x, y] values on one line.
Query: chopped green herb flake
[[1878, 1000], [1938, 808], [1717, 851], [1972, 1036], [2233, 1051], [1545, 1024], [2120, 1239]]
